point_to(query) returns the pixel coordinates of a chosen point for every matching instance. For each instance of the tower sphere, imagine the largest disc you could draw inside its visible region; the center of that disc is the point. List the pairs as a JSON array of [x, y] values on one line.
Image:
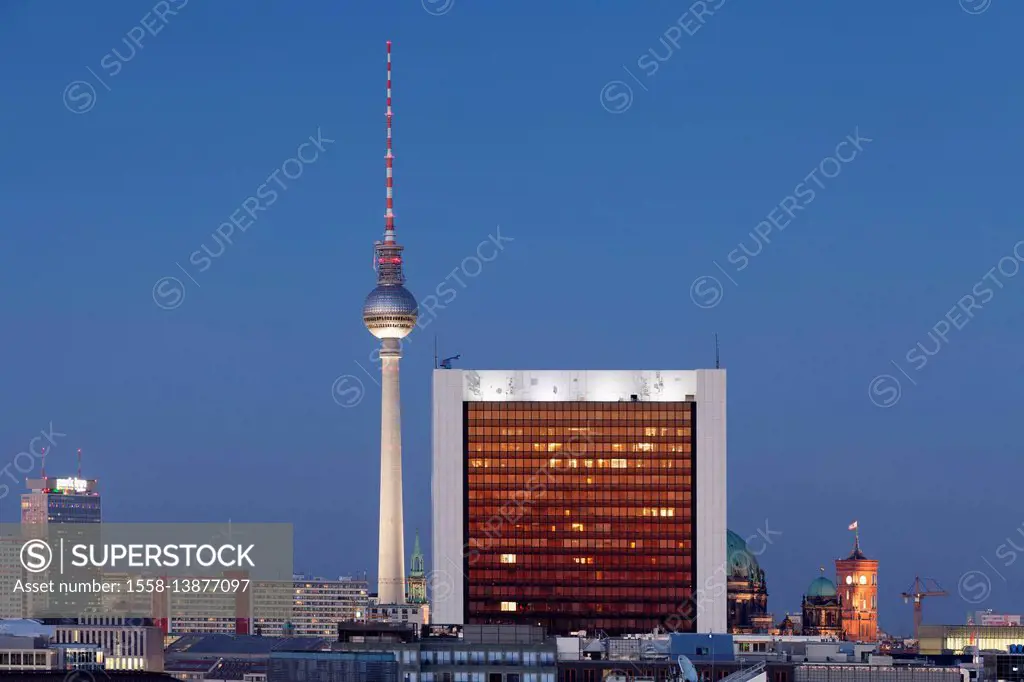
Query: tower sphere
[[390, 312]]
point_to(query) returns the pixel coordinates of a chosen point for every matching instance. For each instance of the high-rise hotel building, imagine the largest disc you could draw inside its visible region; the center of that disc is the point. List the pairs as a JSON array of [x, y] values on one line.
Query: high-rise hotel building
[[60, 500], [580, 499]]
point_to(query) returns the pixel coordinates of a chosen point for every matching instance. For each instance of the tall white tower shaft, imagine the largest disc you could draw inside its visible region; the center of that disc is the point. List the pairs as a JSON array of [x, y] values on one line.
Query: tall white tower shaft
[[390, 313], [391, 557]]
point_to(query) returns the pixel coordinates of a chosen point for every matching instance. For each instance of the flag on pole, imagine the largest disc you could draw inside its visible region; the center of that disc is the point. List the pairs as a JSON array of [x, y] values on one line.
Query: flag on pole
[[853, 526]]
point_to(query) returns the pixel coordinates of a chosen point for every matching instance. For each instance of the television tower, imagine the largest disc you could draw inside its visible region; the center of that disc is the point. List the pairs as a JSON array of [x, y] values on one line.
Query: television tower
[[390, 314]]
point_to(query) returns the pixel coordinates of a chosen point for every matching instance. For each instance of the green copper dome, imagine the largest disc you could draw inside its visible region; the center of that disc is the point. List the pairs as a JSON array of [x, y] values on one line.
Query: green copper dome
[[821, 587], [742, 564]]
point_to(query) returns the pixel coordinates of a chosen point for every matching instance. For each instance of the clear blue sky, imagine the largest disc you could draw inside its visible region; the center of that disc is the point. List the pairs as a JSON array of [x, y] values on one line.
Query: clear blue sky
[[222, 407]]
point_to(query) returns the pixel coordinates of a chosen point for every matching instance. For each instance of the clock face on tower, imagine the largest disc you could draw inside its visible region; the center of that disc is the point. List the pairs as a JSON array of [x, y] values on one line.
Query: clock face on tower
[[849, 580], [863, 580]]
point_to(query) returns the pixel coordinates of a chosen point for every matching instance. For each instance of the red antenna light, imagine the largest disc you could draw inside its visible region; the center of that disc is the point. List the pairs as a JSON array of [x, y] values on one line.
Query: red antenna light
[[389, 216]]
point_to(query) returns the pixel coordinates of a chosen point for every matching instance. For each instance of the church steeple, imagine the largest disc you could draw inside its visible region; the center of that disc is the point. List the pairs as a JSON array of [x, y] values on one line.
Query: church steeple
[[416, 583], [418, 569]]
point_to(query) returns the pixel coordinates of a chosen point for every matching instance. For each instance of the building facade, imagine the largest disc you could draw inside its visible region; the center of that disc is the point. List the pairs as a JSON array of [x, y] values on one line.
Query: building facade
[[857, 581], [125, 647], [471, 653], [580, 499], [55, 508], [289, 666], [317, 605], [60, 500], [304, 606], [747, 590], [822, 614]]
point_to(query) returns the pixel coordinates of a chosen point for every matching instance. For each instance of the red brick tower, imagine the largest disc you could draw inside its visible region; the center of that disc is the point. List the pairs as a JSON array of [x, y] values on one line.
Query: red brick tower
[[857, 584]]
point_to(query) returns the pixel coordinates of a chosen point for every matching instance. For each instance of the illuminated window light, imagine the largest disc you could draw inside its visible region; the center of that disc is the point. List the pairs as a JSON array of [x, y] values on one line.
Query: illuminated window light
[[508, 606], [508, 558], [577, 527], [618, 464]]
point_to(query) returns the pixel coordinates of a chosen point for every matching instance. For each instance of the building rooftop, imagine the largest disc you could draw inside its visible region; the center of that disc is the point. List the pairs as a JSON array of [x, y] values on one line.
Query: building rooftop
[[821, 587], [249, 645]]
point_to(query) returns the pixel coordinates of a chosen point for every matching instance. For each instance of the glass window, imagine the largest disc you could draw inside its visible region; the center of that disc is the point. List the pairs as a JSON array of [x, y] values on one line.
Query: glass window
[[618, 515]]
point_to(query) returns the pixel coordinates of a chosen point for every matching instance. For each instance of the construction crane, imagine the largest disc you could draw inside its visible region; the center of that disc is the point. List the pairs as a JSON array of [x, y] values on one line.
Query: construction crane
[[921, 588]]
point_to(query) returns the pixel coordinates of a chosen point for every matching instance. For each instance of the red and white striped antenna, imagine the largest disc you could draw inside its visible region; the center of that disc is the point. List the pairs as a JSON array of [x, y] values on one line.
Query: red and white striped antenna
[[389, 215]]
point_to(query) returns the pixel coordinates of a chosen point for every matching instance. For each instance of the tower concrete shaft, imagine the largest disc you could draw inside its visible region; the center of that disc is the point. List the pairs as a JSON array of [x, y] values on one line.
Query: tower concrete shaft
[[391, 557]]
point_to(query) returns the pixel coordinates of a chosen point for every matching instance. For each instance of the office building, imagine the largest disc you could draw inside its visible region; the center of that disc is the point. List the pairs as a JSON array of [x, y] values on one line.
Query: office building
[[124, 646], [304, 606], [54, 508], [12, 603], [580, 499], [310, 607], [959, 639], [60, 500], [413, 614]]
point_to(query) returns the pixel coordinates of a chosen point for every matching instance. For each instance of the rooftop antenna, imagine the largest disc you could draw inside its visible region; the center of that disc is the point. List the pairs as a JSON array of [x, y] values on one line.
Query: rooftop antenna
[[718, 363], [435, 351], [44, 467], [389, 216], [79, 463]]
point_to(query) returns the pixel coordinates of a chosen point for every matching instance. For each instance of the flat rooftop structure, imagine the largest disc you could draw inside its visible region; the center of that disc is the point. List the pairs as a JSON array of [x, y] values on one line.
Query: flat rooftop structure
[[377, 632], [227, 646], [503, 634]]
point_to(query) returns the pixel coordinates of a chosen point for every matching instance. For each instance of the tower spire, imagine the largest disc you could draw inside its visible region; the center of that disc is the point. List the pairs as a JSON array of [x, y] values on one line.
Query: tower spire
[[389, 215]]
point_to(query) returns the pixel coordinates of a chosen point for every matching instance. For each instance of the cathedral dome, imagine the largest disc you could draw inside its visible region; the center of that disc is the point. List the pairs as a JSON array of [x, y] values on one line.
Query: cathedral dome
[[821, 587], [742, 564]]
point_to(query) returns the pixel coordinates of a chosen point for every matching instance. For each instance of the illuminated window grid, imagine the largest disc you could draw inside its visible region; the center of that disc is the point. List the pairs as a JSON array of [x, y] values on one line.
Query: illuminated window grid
[[596, 503]]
